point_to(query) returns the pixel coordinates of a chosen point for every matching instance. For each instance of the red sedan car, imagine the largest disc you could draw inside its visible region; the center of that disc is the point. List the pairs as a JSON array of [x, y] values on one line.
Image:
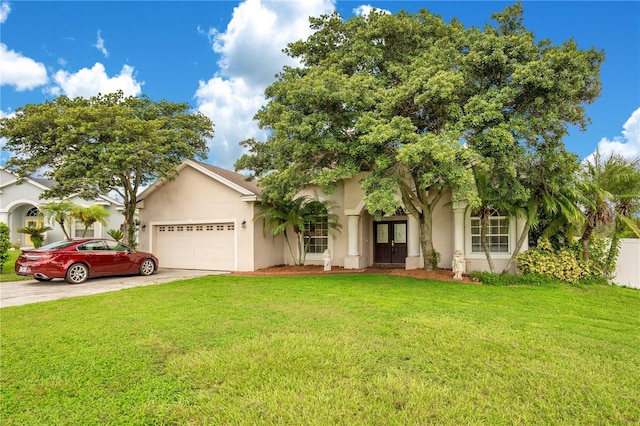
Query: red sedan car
[[77, 260]]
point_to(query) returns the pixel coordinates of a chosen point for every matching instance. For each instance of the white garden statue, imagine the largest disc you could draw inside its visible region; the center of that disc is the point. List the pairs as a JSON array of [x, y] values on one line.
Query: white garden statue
[[458, 265], [326, 258]]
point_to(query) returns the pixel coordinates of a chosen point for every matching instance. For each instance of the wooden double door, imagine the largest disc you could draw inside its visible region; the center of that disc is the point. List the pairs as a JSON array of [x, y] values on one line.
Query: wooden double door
[[390, 242]]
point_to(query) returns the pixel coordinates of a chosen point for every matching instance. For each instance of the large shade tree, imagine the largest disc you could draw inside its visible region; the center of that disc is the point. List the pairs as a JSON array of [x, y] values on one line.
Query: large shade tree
[[103, 144], [418, 104]]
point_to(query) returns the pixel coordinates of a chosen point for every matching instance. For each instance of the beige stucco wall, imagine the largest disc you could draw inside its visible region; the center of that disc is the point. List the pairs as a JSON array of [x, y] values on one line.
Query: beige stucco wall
[[349, 201], [194, 197], [268, 251], [348, 198]]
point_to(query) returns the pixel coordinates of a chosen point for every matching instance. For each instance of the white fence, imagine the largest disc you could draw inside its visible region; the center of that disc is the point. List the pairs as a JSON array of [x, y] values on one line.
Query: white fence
[[628, 265]]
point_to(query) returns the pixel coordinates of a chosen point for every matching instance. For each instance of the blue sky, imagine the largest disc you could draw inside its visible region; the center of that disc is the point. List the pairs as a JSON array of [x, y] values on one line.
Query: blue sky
[[219, 56]]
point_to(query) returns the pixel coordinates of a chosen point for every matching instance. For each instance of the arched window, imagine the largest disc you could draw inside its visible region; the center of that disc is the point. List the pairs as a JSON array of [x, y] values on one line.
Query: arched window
[[33, 212]]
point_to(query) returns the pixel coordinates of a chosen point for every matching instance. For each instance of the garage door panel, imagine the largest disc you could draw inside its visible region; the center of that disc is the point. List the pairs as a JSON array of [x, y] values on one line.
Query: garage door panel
[[207, 246]]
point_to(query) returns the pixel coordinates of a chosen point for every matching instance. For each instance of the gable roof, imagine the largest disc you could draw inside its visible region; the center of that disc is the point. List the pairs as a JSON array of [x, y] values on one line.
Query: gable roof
[[236, 178], [40, 183], [45, 184], [248, 190]]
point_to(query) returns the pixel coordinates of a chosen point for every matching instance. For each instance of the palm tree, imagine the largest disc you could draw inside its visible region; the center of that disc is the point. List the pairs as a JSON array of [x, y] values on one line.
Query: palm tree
[[36, 233], [116, 234], [90, 215], [279, 216], [295, 214], [612, 187], [58, 212], [496, 195], [550, 179]]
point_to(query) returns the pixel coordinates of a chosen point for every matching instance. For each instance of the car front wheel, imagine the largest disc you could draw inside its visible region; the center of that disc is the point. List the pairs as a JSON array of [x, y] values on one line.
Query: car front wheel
[[77, 273], [147, 267]]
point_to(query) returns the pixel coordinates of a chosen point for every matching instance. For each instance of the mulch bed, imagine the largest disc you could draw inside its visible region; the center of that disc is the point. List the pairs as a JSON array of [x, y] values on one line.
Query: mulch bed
[[285, 270]]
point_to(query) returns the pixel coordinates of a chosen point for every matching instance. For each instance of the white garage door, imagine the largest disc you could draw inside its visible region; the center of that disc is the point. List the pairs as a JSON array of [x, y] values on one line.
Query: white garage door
[[209, 246]]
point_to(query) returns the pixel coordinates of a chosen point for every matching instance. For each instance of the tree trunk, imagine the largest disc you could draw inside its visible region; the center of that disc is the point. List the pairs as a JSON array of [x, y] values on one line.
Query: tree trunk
[[586, 236], [64, 230], [485, 214], [286, 239], [531, 214], [424, 216], [426, 240], [129, 222], [484, 220]]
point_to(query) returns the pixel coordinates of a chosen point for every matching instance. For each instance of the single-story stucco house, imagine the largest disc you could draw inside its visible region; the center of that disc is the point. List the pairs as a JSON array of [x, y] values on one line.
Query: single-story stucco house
[[20, 202], [204, 219]]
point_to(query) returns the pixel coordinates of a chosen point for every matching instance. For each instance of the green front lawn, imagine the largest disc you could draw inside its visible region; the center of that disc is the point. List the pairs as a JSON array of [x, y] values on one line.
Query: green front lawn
[[320, 350], [8, 273]]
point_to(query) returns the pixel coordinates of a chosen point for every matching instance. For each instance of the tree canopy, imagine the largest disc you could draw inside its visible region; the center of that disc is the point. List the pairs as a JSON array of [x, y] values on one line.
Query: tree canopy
[[424, 107], [103, 144]]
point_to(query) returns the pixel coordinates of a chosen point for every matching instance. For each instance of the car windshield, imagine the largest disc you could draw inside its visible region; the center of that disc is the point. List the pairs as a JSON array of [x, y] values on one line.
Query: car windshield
[[57, 245]]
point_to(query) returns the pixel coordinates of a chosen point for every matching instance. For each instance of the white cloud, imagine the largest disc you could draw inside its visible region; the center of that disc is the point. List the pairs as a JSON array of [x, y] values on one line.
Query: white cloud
[[366, 9], [5, 9], [100, 45], [251, 55], [627, 145], [19, 71], [89, 82], [231, 104]]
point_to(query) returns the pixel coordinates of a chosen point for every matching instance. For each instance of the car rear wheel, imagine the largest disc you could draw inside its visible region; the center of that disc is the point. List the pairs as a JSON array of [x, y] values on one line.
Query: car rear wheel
[[77, 273], [147, 267]]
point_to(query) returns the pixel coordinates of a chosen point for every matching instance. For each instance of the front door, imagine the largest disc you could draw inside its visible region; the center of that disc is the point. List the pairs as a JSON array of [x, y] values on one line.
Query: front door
[[390, 242], [31, 222]]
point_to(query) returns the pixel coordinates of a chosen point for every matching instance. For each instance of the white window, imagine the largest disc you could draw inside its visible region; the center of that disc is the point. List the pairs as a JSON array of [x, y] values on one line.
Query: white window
[[317, 236], [498, 234], [93, 231]]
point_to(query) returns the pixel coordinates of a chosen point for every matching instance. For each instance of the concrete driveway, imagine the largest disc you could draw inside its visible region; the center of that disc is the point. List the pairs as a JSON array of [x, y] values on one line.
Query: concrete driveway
[[24, 292]]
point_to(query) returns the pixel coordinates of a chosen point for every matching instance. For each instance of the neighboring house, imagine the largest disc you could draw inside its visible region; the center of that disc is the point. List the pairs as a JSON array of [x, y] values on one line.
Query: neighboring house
[[203, 219], [19, 204]]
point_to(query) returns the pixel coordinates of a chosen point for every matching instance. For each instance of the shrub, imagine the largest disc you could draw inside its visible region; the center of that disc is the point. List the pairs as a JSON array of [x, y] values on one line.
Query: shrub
[[599, 247], [116, 234], [36, 233], [564, 264], [5, 244]]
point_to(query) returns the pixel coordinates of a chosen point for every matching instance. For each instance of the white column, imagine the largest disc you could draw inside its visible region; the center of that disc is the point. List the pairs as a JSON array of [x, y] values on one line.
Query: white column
[[459, 208], [413, 260], [413, 242], [4, 217], [353, 260], [353, 234]]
